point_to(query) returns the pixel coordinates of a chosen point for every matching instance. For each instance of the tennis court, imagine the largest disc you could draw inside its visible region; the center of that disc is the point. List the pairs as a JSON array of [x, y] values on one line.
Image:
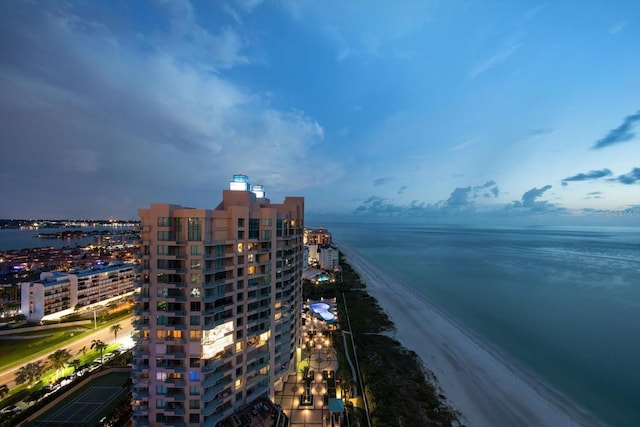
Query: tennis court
[[88, 405]]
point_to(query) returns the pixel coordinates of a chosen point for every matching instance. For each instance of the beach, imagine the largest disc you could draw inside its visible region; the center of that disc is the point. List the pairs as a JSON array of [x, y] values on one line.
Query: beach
[[484, 386]]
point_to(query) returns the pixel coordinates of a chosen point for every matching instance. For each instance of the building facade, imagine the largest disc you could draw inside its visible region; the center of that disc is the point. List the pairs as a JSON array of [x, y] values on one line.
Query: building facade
[[57, 294], [218, 313]]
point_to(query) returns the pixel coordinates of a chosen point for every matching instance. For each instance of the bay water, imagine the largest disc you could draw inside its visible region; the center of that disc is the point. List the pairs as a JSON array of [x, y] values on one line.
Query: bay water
[[561, 302]]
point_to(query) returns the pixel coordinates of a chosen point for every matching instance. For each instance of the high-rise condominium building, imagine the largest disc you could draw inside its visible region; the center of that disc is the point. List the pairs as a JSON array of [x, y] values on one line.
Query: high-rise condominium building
[[218, 312]]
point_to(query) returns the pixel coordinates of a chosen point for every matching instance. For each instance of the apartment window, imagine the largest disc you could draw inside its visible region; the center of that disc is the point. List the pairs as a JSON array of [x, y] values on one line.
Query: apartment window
[[194, 404], [239, 397], [194, 362], [240, 247], [161, 376], [196, 263], [163, 250], [240, 284], [240, 222], [194, 376], [238, 359], [194, 390], [164, 221], [196, 278], [161, 389], [254, 228], [194, 229], [195, 334], [164, 236], [238, 334], [194, 320], [240, 234], [196, 250], [161, 334], [238, 371], [266, 234], [195, 306], [194, 418]]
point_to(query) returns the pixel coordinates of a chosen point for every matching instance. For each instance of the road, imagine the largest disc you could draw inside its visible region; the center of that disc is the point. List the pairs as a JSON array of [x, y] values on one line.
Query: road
[[124, 337]]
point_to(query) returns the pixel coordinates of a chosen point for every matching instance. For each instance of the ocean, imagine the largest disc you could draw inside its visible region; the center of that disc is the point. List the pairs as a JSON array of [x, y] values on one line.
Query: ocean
[[561, 302], [23, 239]]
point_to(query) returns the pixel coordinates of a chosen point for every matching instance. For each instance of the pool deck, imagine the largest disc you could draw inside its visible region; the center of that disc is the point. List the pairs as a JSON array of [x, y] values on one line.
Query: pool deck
[[319, 355]]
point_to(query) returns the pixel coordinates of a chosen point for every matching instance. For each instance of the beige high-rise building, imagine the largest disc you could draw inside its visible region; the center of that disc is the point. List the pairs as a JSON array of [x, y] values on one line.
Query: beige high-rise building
[[218, 313]]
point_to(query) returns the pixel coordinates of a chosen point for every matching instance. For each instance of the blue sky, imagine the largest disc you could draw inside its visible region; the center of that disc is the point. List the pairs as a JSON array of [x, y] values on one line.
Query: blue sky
[[447, 111]]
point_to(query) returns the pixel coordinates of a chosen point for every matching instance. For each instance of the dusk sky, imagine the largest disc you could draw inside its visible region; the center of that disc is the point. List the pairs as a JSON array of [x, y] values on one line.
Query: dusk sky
[[454, 111]]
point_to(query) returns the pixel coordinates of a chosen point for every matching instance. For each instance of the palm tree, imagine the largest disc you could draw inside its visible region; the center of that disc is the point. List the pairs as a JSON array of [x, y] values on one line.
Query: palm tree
[[98, 345], [83, 350], [115, 329], [58, 359], [29, 373], [4, 390]]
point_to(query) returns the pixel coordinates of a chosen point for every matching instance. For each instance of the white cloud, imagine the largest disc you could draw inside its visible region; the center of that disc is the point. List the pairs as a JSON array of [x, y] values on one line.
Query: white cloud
[[499, 57]]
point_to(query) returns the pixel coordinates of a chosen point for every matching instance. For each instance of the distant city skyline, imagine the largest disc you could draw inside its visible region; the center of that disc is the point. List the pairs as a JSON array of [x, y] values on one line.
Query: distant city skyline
[[450, 112]]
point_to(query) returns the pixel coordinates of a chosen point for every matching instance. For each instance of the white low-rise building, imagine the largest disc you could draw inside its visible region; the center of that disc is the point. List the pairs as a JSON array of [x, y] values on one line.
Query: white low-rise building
[[57, 294]]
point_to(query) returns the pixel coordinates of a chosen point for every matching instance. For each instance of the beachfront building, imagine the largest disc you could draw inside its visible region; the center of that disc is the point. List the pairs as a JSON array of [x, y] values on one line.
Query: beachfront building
[[57, 294], [316, 236], [218, 321]]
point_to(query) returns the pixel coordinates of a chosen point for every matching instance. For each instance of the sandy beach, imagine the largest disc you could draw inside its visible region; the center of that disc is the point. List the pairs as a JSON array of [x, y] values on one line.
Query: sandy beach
[[483, 385]]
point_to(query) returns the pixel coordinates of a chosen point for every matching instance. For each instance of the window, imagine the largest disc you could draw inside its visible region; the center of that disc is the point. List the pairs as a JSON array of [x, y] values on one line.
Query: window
[[195, 334], [161, 376], [240, 222], [238, 334], [240, 284], [164, 235], [194, 418], [196, 278], [195, 305], [194, 320], [254, 228], [164, 221], [196, 250], [161, 389], [240, 234], [194, 390], [196, 263], [238, 371], [266, 234], [194, 231], [266, 222], [163, 250], [194, 376], [160, 403], [194, 404]]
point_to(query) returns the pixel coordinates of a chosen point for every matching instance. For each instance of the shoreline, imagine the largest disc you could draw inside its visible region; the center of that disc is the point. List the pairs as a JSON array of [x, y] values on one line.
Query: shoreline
[[483, 385]]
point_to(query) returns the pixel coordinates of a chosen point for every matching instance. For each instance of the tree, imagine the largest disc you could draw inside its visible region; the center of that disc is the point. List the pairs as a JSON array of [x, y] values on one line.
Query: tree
[[58, 359], [29, 373], [83, 350], [115, 329], [98, 345], [4, 390]]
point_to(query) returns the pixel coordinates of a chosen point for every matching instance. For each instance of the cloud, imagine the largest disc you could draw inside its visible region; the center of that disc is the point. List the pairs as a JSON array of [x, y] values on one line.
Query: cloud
[[595, 174], [500, 56], [464, 144], [529, 203], [617, 27], [630, 178], [541, 131], [622, 133], [594, 195], [103, 102], [402, 189], [383, 181]]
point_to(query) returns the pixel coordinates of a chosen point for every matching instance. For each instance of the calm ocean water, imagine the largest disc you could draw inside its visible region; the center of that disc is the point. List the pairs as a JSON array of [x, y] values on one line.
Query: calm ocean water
[[562, 302], [22, 239]]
